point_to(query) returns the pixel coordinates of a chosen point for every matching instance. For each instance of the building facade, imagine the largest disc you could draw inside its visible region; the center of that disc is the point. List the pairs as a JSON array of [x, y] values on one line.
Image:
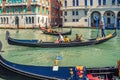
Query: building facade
[[26, 13], [87, 13], [55, 13]]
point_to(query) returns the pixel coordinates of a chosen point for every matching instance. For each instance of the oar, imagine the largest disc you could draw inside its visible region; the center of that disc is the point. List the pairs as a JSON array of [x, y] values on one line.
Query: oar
[[97, 32]]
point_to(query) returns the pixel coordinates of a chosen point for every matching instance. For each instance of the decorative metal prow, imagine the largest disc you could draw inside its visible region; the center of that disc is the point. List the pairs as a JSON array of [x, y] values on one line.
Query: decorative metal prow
[[7, 34]]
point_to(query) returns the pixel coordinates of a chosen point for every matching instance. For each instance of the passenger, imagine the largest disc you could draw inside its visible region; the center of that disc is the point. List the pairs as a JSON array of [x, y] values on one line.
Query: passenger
[[60, 38], [56, 41], [66, 39], [78, 38], [49, 30]]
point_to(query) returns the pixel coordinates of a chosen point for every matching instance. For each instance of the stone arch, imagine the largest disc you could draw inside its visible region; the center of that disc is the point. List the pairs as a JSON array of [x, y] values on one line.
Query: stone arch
[[4, 21], [29, 20], [7, 21], [1, 20], [17, 21], [32, 19], [109, 19], [26, 20], [95, 18]]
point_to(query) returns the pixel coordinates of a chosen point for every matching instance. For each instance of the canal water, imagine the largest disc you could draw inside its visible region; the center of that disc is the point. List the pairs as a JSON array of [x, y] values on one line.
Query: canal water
[[101, 55]]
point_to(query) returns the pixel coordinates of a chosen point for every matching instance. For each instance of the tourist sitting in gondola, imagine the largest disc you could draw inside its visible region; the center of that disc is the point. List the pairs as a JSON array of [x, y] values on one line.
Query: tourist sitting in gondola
[[60, 39], [49, 30], [78, 38], [66, 39]]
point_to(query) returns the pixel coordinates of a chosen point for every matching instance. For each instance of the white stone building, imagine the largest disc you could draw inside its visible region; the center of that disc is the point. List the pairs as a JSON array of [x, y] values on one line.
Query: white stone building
[[84, 13]]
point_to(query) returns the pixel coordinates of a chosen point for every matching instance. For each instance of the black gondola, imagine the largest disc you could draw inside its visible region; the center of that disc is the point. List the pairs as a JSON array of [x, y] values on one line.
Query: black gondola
[[37, 43], [57, 33], [56, 72], [45, 72]]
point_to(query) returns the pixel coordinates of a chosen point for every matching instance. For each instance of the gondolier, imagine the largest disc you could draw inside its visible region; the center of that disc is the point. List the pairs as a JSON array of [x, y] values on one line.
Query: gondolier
[[102, 29]]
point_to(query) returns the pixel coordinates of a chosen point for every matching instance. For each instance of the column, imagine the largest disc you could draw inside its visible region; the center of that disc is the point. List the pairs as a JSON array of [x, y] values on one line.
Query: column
[[115, 2], [89, 22], [102, 17], [115, 20]]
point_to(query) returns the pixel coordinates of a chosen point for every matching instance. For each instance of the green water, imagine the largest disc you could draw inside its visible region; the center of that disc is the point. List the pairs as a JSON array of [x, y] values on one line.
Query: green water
[[105, 54]]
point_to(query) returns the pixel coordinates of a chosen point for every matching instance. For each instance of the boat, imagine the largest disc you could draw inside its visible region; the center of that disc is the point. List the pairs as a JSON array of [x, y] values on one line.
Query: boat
[[56, 33], [45, 72], [40, 43], [59, 72]]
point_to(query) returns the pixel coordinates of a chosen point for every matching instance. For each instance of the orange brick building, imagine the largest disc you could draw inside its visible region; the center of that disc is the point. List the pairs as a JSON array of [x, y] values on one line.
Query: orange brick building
[[55, 13]]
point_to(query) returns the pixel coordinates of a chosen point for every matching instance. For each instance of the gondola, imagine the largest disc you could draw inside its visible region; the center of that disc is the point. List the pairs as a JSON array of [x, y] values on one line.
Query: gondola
[[45, 72], [58, 72], [57, 33], [37, 43]]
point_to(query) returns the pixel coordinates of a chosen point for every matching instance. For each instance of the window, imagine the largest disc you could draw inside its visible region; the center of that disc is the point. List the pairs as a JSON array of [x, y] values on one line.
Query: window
[[7, 20], [85, 20], [7, 10], [104, 2], [19, 1], [13, 9], [2, 20], [65, 3], [77, 2], [33, 9], [26, 20], [118, 1], [47, 12], [85, 12], [77, 20], [32, 19], [91, 2], [65, 20], [65, 13], [73, 20], [0, 10], [73, 2], [76, 12], [25, 10], [85, 1], [25, 0], [39, 10], [0, 1], [73, 12], [19, 10], [108, 14], [42, 10], [99, 2], [113, 2]]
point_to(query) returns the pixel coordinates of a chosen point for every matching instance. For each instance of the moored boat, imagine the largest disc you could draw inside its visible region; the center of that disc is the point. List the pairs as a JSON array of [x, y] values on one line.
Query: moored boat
[[37, 43]]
